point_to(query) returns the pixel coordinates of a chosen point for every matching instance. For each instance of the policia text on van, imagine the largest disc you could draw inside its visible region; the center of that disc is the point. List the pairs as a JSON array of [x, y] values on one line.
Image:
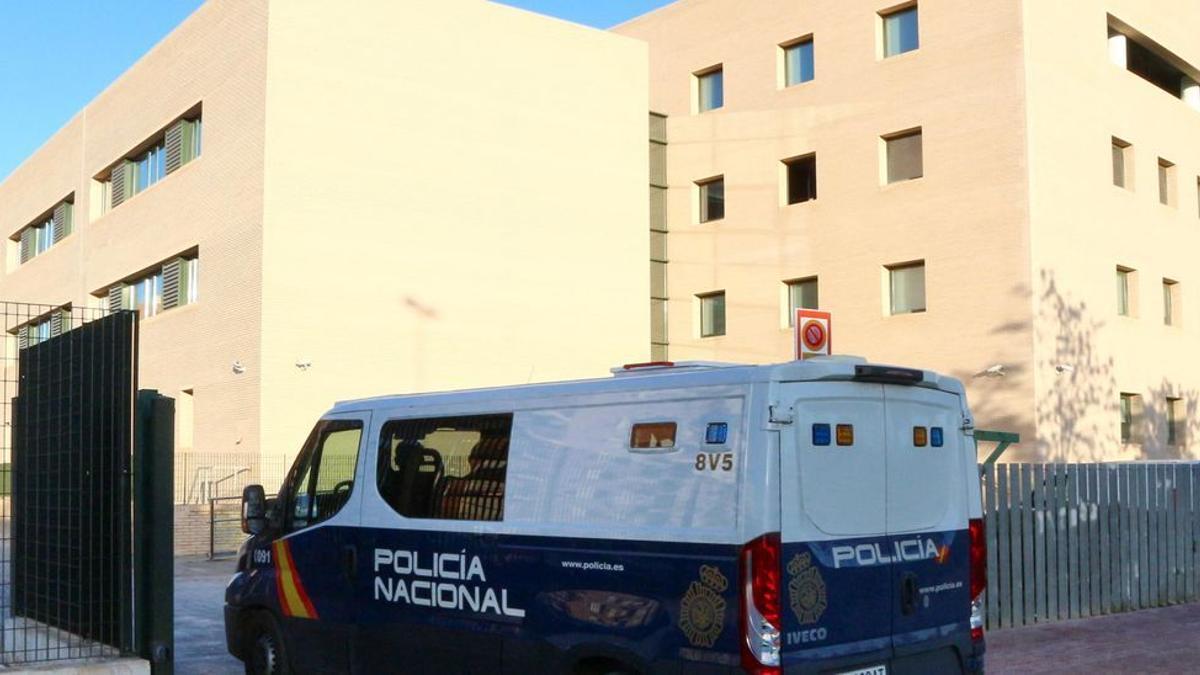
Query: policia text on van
[[693, 518]]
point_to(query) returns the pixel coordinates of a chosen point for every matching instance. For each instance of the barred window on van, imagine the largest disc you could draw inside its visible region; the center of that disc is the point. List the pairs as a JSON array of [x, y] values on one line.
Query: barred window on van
[[653, 435], [447, 468]]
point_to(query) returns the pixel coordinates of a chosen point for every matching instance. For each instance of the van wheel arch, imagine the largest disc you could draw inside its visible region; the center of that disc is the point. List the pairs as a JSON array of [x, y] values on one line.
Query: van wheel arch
[[603, 659], [603, 665]]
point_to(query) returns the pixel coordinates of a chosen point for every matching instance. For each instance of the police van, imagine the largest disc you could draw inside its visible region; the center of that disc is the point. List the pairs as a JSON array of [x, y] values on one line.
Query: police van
[[814, 516]]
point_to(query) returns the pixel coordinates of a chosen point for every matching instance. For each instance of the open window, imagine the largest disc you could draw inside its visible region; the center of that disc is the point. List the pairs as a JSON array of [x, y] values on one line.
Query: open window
[[447, 468]]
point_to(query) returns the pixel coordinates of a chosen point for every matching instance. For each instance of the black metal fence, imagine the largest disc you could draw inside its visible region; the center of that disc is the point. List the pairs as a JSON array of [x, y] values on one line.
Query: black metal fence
[[67, 410]]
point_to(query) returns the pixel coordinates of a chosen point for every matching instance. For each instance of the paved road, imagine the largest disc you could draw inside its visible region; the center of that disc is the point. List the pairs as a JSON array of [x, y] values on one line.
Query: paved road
[[1151, 641], [199, 622]]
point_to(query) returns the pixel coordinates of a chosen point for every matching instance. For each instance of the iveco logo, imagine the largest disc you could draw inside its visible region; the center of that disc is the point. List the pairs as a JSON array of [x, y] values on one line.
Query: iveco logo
[[901, 550]]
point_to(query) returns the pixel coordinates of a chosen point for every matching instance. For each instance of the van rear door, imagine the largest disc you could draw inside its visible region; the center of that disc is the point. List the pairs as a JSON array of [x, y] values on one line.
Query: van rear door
[[927, 520], [837, 595]]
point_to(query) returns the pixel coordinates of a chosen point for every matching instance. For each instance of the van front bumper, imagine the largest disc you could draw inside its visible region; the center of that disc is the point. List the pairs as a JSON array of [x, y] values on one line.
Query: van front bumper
[[233, 631]]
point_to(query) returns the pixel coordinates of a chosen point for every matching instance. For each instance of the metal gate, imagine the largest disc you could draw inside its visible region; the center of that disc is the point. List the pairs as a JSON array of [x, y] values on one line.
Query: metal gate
[[68, 399]]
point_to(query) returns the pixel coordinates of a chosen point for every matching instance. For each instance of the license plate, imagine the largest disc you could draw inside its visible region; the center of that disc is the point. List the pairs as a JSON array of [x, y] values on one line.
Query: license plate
[[873, 670]]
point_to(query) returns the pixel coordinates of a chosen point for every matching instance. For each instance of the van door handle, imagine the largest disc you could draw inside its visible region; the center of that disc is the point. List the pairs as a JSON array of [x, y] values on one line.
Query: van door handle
[[349, 562], [908, 594]]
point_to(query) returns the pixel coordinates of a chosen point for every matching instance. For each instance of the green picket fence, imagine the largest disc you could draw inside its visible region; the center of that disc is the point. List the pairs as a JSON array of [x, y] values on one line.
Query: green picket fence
[[1068, 541]]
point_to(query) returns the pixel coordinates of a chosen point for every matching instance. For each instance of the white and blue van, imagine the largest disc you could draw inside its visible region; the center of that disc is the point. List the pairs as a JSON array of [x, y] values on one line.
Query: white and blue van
[[816, 516]]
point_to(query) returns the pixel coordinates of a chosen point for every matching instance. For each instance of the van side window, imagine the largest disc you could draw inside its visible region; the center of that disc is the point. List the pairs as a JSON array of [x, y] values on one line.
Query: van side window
[[320, 482], [653, 435], [448, 468]]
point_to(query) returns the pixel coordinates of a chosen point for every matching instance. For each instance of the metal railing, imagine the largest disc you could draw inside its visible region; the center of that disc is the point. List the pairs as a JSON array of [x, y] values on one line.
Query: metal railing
[[200, 476]]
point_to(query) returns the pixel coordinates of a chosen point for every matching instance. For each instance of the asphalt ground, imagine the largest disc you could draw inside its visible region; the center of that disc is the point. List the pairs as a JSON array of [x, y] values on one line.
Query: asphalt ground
[[199, 618], [1163, 640]]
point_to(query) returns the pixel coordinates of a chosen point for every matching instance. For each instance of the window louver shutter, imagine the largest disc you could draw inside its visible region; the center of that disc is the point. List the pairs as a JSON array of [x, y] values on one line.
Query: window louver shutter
[[119, 187], [175, 145], [62, 220], [117, 298], [60, 322], [27, 236], [22, 337], [174, 285]]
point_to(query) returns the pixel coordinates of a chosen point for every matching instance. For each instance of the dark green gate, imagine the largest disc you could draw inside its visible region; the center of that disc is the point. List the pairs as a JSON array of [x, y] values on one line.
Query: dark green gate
[[86, 522]]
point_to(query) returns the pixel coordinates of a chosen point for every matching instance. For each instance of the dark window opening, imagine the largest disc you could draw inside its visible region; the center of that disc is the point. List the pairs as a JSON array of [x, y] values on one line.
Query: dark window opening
[[1154, 69], [801, 179], [448, 468]]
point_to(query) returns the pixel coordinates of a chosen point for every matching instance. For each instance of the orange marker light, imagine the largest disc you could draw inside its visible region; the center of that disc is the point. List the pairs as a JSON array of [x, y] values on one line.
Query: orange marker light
[[920, 436], [845, 434]]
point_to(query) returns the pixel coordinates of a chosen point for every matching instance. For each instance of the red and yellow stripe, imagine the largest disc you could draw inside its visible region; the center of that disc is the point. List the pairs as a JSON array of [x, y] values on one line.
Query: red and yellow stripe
[[292, 598]]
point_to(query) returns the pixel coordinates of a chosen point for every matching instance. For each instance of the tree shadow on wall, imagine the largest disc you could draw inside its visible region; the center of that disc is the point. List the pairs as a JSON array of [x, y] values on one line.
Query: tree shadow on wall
[[1154, 429], [1076, 412]]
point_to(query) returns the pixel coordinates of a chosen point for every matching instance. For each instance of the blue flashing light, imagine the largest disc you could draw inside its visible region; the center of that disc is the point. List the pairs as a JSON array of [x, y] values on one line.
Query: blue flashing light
[[936, 438], [717, 433], [821, 434]]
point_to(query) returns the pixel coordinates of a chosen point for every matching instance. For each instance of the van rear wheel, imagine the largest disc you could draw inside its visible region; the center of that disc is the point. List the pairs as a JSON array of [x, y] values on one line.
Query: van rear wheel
[[265, 654]]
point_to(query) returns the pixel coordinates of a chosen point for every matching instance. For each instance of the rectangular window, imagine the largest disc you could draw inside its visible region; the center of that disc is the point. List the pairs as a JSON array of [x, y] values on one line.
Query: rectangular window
[[447, 468], [712, 314], [802, 294], [192, 287], [149, 167], [1171, 303], [652, 435], [1121, 162], [710, 89], [147, 294], [1175, 421], [104, 196], [43, 236], [907, 286], [905, 159], [801, 176], [1148, 60], [712, 199], [1166, 182], [38, 332], [1130, 412], [1125, 294], [798, 66], [164, 153], [320, 482], [196, 141], [900, 31]]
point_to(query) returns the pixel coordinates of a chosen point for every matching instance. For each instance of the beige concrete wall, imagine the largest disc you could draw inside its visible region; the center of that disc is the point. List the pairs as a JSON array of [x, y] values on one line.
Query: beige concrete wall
[[218, 58], [455, 197], [1083, 227], [967, 217]]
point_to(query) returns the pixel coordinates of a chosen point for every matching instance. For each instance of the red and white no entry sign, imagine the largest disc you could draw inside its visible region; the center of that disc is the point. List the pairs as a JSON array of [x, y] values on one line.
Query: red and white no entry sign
[[812, 335]]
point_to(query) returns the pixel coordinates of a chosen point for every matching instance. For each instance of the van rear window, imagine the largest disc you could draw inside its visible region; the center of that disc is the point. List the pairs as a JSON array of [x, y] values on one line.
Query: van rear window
[[653, 435], [448, 468]]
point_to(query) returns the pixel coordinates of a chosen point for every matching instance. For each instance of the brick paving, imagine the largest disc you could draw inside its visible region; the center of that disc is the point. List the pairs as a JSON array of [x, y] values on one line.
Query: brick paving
[[1163, 640]]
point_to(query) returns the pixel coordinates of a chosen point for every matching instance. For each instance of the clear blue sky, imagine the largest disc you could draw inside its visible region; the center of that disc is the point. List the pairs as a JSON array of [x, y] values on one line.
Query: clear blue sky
[[56, 55]]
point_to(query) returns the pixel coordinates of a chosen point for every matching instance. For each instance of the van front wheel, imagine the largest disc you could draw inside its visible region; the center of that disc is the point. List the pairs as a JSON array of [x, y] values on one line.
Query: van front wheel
[[264, 651]]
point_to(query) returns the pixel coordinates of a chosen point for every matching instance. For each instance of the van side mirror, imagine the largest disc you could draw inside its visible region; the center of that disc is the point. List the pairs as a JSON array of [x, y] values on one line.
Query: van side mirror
[[254, 509]]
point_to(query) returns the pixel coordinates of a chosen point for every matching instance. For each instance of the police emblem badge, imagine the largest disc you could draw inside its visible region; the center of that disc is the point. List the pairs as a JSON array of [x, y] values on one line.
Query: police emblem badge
[[702, 610], [806, 589]]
